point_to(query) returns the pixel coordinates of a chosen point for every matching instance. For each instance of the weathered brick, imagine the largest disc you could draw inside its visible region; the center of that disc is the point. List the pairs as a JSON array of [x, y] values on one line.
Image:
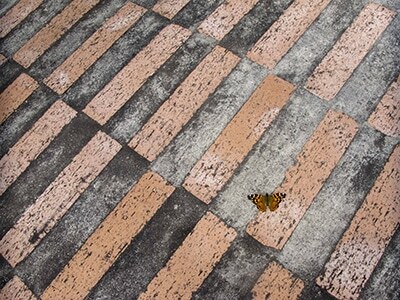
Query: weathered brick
[[16, 289], [169, 8]]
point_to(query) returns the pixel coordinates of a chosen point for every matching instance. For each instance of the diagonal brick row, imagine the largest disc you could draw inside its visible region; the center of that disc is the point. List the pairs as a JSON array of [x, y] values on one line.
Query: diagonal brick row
[[204, 249]]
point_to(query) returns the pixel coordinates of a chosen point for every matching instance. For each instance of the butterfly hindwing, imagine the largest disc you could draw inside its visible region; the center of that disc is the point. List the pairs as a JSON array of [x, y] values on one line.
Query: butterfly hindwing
[[268, 200]]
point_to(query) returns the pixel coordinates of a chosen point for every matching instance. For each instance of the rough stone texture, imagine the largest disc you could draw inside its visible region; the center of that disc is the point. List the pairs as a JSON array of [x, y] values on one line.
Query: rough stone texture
[[183, 152], [281, 36], [42, 40], [33, 143], [55, 201], [305, 178], [139, 262], [169, 8], [190, 264], [225, 17], [384, 282], [337, 66], [107, 66], [97, 254], [95, 46], [72, 39], [3, 59], [237, 271], [386, 116], [114, 95], [30, 25], [173, 114], [129, 119], [194, 12], [9, 72], [16, 14], [364, 242], [15, 94], [42, 172], [217, 165], [277, 283], [271, 156], [335, 205], [81, 220], [16, 289]]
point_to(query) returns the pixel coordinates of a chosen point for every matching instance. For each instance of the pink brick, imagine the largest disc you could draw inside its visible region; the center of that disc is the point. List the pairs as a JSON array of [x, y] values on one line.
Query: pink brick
[[19, 157], [59, 196], [15, 289], [169, 8]]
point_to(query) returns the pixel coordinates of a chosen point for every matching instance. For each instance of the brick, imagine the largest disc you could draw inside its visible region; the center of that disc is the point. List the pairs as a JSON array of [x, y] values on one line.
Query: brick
[[305, 178], [110, 239], [95, 46], [16, 14], [118, 91], [169, 8], [285, 32], [225, 17], [218, 164], [386, 117], [170, 118], [192, 261], [338, 65], [362, 245], [43, 39], [33, 143], [16, 289], [59, 196], [277, 283], [16, 93], [3, 59]]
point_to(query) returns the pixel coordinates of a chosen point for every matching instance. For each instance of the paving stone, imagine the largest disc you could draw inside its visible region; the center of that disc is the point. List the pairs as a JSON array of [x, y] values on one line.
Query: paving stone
[[50, 33], [364, 242], [335, 205], [41, 172], [139, 263], [16, 14], [33, 143], [78, 62], [174, 113], [169, 8], [128, 120], [16, 289], [194, 12], [99, 199], [305, 178], [189, 266], [58, 197], [97, 254], [97, 76], [118, 91], [30, 25], [71, 40], [9, 72]]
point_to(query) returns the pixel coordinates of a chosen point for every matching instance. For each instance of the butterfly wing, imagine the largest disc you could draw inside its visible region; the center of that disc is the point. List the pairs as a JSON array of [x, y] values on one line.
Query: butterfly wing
[[273, 200], [259, 200]]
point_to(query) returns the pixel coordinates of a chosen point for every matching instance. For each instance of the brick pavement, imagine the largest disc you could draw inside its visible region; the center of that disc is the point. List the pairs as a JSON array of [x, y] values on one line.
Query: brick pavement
[[132, 131]]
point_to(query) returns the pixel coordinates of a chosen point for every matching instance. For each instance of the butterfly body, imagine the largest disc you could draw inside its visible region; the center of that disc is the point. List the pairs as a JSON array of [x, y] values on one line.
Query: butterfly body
[[270, 201]]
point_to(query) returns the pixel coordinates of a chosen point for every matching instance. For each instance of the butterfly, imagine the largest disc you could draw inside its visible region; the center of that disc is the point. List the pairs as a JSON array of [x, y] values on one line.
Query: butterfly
[[268, 200]]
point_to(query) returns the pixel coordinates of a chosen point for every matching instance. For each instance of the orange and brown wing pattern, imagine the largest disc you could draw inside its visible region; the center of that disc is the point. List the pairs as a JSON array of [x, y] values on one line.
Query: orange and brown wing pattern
[[263, 201]]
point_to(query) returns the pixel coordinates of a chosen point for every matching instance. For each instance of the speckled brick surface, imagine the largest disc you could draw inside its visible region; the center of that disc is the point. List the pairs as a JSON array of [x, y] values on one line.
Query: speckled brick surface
[[340, 62], [52, 32], [386, 117], [110, 239], [15, 94], [305, 178], [129, 79], [132, 131], [39, 219], [33, 143], [164, 125], [225, 17], [191, 264], [370, 231], [16, 14], [277, 283], [16, 289]]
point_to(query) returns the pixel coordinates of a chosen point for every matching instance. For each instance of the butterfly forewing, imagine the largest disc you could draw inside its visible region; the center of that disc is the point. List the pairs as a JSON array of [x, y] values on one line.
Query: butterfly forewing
[[263, 201]]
